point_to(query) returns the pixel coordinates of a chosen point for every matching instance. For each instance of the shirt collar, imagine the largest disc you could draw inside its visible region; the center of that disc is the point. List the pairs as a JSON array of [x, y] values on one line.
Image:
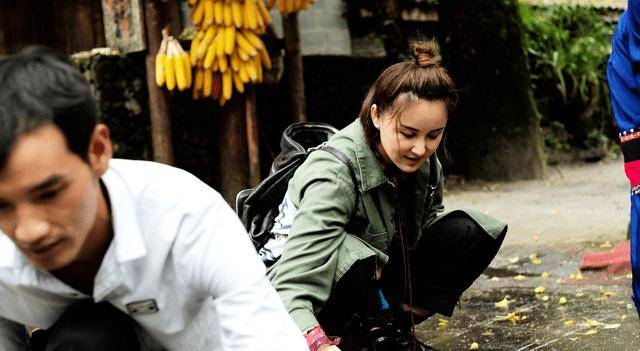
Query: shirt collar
[[127, 239], [127, 236]]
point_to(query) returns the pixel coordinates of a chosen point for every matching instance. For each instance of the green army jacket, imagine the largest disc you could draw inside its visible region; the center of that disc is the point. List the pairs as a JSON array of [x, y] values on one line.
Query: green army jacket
[[330, 231]]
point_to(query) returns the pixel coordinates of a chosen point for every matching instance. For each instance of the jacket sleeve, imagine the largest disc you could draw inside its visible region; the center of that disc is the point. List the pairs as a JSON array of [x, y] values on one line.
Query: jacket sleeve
[[324, 194], [12, 336], [218, 261], [436, 206]]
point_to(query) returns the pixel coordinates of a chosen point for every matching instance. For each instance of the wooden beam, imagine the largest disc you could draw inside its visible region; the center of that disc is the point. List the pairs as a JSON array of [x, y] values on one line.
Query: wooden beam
[[160, 122]]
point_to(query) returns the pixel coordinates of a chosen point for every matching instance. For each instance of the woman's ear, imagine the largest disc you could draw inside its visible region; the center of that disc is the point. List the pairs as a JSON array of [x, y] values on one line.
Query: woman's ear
[[100, 149], [375, 116]]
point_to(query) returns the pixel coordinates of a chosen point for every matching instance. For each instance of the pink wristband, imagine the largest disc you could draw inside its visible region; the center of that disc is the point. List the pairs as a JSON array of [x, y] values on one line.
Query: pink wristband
[[316, 338]]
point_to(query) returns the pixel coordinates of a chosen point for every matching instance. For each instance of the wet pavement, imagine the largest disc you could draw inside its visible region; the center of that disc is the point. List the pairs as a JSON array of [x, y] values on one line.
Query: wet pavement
[[553, 222]]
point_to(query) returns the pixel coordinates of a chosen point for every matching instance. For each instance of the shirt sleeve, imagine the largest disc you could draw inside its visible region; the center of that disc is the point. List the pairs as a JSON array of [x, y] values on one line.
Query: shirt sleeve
[[12, 336], [219, 261], [325, 197]]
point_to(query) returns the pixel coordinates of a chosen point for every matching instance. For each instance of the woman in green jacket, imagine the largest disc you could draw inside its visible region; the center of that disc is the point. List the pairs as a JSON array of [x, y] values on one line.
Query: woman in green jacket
[[367, 261]]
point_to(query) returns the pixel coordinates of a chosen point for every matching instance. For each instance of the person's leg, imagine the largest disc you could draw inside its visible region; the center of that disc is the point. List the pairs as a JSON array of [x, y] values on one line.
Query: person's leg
[[449, 257], [89, 327]]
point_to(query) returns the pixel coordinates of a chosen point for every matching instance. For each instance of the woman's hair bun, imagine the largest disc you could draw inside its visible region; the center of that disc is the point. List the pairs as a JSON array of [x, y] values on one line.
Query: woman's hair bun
[[424, 53]]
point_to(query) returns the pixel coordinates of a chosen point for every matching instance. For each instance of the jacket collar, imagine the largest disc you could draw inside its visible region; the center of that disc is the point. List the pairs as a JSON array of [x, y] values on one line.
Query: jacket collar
[[369, 167], [127, 243]]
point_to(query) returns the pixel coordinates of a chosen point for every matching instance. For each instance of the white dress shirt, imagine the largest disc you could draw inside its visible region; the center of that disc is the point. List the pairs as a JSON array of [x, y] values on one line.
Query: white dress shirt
[[179, 250]]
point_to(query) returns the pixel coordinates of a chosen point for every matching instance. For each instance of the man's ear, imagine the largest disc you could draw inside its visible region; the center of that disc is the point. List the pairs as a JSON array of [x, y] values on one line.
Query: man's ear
[[100, 149]]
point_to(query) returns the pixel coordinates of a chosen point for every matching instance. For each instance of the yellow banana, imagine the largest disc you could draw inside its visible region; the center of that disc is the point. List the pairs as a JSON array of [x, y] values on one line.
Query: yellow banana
[[208, 12], [235, 62], [222, 63], [160, 71], [264, 12], [227, 16], [170, 75], [244, 44], [187, 68], [198, 13], [198, 82], [204, 44], [238, 83], [265, 58], [207, 83], [250, 15], [227, 89], [282, 6], [258, 67], [253, 39], [195, 43], [210, 56], [218, 12], [220, 44], [242, 73], [236, 12], [242, 54], [181, 75], [251, 71], [229, 40]]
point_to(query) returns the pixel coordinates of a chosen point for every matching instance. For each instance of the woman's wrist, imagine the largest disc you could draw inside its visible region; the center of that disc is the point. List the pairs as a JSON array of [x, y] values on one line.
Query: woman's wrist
[[316, 338]]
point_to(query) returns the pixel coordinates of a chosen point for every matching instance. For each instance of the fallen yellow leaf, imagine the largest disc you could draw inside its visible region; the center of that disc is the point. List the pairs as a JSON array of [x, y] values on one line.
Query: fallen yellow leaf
[[514, 259], [569, 323], [611, 326], [544, 275], [605, 245], [590, 332], [591, 323], [503, 304], [536, 261], [540, 290], [519, 277], [474, 346], [562, 300], [533, 256], [443, 323], [495, 279], [545, 298], [623, 317], [579, 294]]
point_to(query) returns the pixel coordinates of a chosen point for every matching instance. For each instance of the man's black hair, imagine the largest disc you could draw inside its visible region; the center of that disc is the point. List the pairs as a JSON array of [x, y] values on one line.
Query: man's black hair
[[37, 87]]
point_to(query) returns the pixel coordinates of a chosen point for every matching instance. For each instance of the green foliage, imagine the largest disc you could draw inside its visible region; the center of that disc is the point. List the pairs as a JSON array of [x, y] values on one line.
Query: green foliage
[[568, 48]]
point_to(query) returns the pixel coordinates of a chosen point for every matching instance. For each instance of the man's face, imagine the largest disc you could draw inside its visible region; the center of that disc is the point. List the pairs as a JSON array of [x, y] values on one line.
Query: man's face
[[49, 198]]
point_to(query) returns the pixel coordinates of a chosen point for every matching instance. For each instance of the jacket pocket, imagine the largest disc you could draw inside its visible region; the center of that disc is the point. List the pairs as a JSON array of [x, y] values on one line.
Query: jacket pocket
[[377, 239]]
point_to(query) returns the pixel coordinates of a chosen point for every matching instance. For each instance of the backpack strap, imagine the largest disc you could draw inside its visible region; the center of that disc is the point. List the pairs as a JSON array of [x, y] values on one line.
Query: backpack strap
[[344, 159]]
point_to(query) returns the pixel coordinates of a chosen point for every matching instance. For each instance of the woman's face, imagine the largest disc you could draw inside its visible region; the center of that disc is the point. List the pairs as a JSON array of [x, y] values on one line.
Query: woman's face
[[414, 135]]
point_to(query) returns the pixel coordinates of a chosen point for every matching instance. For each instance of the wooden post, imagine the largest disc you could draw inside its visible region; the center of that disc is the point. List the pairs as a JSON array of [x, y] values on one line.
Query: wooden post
[[160, 122], [253, 147], [293, 53], [232, 140]]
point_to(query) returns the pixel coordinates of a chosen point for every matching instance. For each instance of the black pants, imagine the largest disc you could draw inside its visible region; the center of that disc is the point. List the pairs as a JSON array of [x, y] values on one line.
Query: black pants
[[88, 327], [449, 257]]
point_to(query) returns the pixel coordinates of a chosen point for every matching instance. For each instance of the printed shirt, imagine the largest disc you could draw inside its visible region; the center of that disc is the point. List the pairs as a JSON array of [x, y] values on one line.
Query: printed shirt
[[180, 263]]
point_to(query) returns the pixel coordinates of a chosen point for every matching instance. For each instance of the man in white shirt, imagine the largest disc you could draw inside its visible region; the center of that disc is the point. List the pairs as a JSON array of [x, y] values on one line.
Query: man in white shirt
[[106, 254]]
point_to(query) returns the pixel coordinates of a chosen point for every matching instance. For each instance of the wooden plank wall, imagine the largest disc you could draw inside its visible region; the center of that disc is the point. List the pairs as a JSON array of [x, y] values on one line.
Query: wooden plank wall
[[67, 25]]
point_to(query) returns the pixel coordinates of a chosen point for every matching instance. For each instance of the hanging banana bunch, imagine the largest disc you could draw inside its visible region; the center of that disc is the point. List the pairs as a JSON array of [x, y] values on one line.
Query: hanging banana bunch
[[288, 6], [173, 67], [227, 51]]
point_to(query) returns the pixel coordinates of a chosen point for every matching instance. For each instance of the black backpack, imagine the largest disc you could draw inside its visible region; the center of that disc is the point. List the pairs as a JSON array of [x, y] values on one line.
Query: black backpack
[[258, 207]]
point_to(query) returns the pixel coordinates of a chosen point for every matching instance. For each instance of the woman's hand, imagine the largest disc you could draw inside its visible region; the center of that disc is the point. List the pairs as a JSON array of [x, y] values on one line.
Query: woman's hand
[[328, 347]]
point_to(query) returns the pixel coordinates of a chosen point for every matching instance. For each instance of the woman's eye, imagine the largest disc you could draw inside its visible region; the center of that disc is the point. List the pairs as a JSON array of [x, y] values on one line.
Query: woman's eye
[[407, 135], [433, 136], [48, 195]]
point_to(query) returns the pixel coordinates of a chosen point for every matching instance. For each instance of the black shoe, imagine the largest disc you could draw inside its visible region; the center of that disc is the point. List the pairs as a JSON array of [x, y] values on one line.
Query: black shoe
[[384, 334]]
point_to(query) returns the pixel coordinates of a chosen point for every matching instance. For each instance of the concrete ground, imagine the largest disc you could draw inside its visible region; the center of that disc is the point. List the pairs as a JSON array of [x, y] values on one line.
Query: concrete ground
[[553, 222]]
